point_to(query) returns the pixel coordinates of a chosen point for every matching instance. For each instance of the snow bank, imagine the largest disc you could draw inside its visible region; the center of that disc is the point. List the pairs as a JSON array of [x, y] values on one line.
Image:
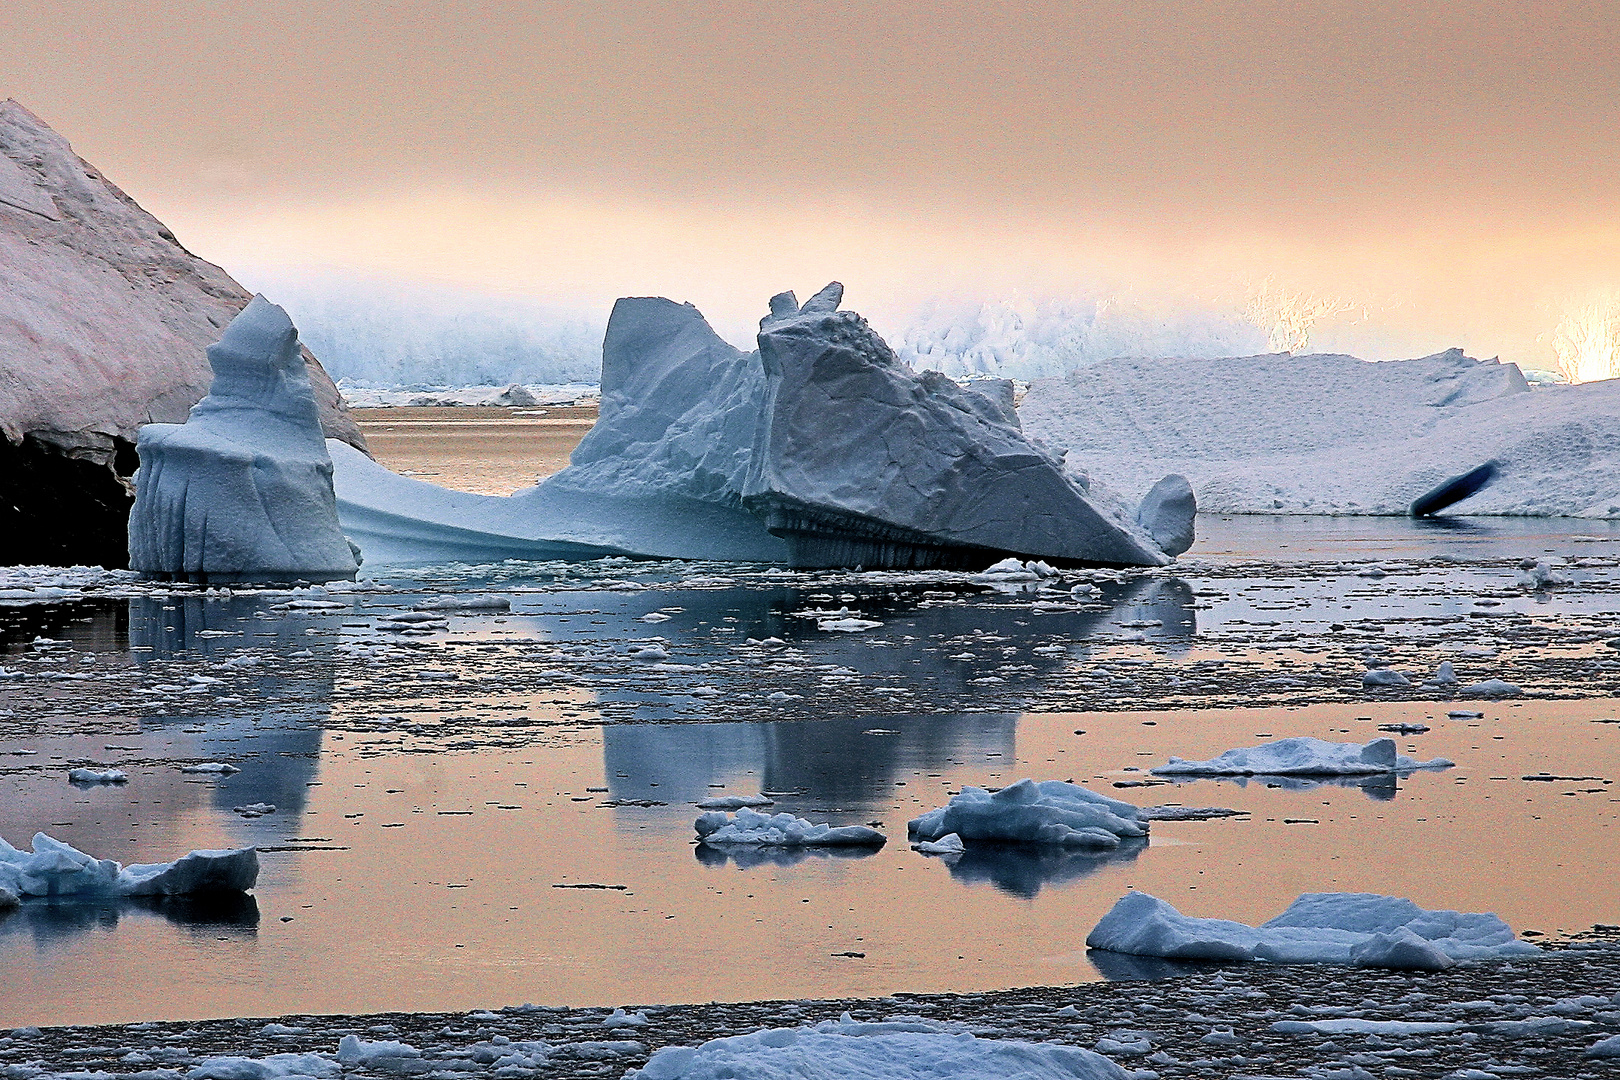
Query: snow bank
[[1049, 812], [780, 830], [1304, 757], [889, 1050], [1326, 434], [1361, 929], [820, 449], [242, 491], [56, 869], [103, 321]]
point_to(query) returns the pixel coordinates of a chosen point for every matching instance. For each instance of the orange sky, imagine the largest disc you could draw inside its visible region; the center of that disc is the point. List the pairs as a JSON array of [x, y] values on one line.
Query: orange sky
[[1449, 167]]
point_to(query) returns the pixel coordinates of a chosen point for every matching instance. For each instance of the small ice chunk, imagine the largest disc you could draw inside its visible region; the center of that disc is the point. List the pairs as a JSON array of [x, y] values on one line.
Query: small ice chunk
[[478, 602], [97, 776], [353, 1051], [735, 802], [949, 844], [1049, 812], [253, 810], [647, 650], [219, 768], [1304, 757], [780, 830], [848, 624], [1605, 1048], [622, 1019], [1445, 675], [1490, 688], [1384, 676]]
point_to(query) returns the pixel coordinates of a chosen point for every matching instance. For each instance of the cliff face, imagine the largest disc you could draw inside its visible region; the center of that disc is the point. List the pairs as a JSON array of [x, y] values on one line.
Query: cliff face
[[104, 323]]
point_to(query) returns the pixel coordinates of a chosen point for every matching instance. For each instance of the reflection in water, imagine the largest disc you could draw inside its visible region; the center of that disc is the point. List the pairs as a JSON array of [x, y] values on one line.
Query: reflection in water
[[89, 626], [49, 919], [748, 856], [1380, 786], [1022, 869], [1123, 967]]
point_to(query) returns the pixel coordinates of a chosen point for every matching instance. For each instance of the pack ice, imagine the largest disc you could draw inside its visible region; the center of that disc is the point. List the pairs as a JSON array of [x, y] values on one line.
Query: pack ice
[[1361, 929], [242, 491], [1304, 757], [1333, 434], [57, 869], [899, 1049], [780, 830], [1048, 812], [820, 448]]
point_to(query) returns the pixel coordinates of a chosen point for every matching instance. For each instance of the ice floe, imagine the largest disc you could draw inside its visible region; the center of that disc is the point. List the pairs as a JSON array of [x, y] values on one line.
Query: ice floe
[[780, 830], [883, 1050], [1030, 812], [1360, 929], [56, 869], [242, 491], [1303, 757], [93, 777]]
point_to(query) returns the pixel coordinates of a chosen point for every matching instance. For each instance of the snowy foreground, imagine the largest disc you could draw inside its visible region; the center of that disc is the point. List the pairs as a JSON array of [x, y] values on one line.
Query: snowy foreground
[[1554, 1017], [1319, 928], [1327, 434]]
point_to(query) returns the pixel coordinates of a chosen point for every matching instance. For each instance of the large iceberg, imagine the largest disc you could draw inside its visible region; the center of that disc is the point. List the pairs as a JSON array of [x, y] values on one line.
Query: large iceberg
[[1049, 812], [1362, 929], [821, 448], [242, 491], [57, 869], [103, 321], [1304, 757]]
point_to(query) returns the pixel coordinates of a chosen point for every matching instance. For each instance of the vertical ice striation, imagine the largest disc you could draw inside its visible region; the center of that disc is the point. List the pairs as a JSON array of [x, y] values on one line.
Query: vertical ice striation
[[242, 491]]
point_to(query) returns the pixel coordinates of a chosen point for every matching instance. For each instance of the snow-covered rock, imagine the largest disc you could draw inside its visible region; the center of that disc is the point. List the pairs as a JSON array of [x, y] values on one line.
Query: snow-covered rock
[[242, 491], [1303, 757], [56, 869], [780, 830], [1328, 434], [1362, 929], [1048, 812], [103, 321], [819, 449], [903, 1049]]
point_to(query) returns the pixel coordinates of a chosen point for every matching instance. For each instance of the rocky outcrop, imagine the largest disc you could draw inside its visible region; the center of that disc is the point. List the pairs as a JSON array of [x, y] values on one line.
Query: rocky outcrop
[[242, 491], [104, 319]]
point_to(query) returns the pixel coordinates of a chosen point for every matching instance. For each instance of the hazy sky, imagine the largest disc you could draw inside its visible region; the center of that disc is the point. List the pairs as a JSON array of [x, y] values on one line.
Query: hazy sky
[[1452, 168]]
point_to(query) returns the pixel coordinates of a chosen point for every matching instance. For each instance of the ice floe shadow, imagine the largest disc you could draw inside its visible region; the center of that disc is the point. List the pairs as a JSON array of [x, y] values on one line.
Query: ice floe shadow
[[1022, 870], [1380, 786], [749, 856], [52, 919], [1124, 967]]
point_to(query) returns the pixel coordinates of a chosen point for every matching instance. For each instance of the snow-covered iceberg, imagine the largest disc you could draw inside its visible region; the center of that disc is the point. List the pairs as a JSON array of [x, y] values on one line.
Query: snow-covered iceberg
[[819, 449], [1362, 929], [1304, 757], [57, 869], [780, 830], [899, 1049], [242, 491], [1048, 812], [103, 321], [1332, 434]]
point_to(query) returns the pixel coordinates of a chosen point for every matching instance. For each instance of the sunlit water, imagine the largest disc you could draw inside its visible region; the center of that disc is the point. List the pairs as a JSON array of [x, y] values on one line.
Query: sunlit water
[[439, 799]]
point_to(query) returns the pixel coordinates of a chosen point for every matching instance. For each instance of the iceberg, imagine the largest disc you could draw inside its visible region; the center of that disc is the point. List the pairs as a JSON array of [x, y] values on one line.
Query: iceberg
[[821, 448], [57, 869], [780, 830], [1303, 757], [103, 320], [1050, 812], [1360, 929], [897, 1049], [242, 491]]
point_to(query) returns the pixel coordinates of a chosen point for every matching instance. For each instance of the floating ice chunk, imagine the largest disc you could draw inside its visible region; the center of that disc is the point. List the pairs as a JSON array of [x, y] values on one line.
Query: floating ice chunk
[[1167, 513], [888, 1050], [352, 1050], [848, 624], [1304, 757], [647, 650], [1464, 714], [780, 830], [1491, 688], [243, 489], [479, 602], [1384, 676], [1008, 570], [735, 802], [622, 1019], [1605, 1048], [90, 777], [1049, 812], [56, 869], [274, 1067], [1355, 1025], [1538, 574], [218, 768], [1444, 675], [1188, 813], [1361, 929], [949, 844], [253, 810]]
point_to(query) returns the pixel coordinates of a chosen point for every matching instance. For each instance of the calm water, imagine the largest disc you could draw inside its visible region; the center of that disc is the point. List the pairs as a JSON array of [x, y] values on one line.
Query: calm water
[[439, 795]]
